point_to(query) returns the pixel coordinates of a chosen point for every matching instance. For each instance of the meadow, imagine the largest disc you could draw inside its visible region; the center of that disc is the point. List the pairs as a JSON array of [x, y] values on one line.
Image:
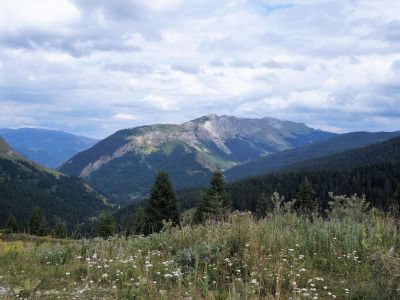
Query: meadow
[[283, 256]]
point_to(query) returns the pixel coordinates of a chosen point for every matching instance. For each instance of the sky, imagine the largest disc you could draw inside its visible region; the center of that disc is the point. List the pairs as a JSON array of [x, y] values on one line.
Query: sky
[[92, 67]]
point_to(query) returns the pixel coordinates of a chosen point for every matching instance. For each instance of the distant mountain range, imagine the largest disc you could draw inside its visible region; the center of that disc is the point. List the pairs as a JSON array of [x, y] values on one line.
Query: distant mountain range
[[49, 148], [124, 164], [286, 159], [25, 185]]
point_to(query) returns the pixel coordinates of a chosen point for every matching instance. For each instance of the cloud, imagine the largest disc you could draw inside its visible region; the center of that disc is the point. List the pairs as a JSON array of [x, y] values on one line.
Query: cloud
[[93, 67]]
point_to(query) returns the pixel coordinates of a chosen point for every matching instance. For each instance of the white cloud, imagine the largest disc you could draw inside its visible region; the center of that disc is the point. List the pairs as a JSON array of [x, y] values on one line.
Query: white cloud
[[125, 117], [98, 66]]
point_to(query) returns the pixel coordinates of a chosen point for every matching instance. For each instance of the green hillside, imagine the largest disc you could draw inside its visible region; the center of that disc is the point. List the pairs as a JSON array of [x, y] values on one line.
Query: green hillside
[[381, 152], [124, 164], [25, 185], [284, 159]]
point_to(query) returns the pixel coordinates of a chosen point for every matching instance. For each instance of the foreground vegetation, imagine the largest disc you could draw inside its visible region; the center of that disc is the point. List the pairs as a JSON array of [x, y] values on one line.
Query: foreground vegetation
[[352, 254]]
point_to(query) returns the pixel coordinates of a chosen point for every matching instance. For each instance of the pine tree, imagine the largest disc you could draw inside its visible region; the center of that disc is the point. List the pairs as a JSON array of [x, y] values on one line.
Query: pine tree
[[60, 229], [105, 225], [138, 224], [37, 223], [12, 224], [264, 205], [395, 206], [306, 202], [162, 204], [215, 203]]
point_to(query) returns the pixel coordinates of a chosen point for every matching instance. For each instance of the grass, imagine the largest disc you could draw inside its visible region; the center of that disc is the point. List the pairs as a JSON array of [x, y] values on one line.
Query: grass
[[280, 257]]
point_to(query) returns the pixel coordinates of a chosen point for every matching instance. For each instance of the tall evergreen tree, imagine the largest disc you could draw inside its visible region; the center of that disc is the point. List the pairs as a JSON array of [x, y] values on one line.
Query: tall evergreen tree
[[162, 204], [264, 205], [395, 206], [306, 201], [215, 202], [138, 223], [12, 224], [60, 229], [37, 222], [105, 225]]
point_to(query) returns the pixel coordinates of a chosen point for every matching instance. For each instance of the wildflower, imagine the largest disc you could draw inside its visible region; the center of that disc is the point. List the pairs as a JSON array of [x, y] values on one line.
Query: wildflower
[[105, 275], [67, 273], [254, 281]]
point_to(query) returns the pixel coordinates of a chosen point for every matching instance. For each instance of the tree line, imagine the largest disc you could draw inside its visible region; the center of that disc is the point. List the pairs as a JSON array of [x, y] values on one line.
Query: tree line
[[162, 208]]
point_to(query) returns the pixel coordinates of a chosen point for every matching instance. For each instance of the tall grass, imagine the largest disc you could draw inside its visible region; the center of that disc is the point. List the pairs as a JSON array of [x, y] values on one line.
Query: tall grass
[[280, 257]]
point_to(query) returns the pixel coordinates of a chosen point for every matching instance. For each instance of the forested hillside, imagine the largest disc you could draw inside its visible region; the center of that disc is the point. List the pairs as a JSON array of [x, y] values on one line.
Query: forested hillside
[[25, 186], [381, 152], [284, 159]]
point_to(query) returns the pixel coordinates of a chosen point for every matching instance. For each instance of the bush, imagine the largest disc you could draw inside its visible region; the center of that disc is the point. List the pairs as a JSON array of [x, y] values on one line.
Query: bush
[[343, 207]]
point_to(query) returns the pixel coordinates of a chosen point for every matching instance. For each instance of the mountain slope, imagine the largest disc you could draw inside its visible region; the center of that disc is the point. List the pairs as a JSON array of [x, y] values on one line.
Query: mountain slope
[[47, 147], [278, 161], [25, 185], [388, 151], [124, 164]]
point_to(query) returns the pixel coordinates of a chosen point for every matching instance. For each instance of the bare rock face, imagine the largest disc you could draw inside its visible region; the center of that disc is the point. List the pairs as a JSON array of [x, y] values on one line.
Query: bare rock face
[[201, 145]]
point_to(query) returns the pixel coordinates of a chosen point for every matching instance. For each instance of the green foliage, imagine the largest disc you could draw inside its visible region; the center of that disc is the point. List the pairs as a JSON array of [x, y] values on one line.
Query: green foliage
[[395, 203], [376, 182], [264, 205], [105, 226], [37, 223], [284, 254], [55, 255], [162, 205], [215, 203], [24, 185], [60, 229], [306, 200], [12, 224], [396, 197], [353, 208]]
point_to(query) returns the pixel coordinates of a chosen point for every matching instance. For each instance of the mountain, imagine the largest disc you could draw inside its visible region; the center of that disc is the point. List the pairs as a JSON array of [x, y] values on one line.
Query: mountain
[[125, 164], [47, 147], [373, 170], [388, 151], [281, 160], [25, 185]]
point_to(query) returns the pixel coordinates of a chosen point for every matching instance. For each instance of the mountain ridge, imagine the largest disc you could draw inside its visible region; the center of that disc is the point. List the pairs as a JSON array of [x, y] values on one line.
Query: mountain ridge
[[280, 160], [44, 146], [200, 145]]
